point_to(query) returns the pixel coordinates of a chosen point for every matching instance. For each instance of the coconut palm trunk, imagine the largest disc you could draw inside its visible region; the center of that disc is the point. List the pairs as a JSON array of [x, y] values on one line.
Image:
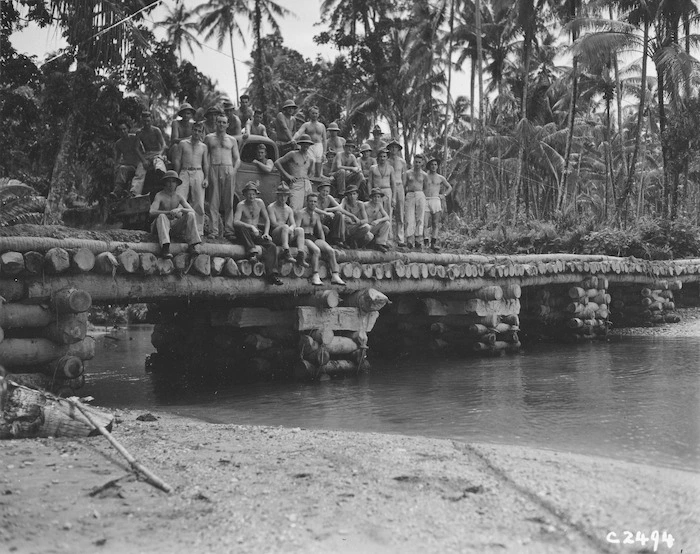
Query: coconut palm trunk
[[233, 60]]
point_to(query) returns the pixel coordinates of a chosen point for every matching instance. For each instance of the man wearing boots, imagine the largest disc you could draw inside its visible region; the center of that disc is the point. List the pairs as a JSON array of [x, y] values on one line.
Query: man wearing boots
[[416, 180], [378, 220], [357, 230], [250, 215], [283, 227]]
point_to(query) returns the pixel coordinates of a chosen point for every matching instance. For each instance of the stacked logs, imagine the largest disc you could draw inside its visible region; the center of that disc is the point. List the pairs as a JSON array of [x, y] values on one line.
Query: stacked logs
[[650, 305], [306, 337], [484, 322], [44, 346], [578, 312]]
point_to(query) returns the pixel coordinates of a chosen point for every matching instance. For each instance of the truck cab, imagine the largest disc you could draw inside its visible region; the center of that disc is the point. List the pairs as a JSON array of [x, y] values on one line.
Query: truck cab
[[248, 171]]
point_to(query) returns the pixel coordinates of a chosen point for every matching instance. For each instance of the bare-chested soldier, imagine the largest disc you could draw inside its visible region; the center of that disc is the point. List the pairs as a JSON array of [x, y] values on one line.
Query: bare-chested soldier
[[333, 216], [376, 143], [234, 123], [348, 172], [153, 145], [210, 119], [251, 213], [381, 176], [416, 181], [379, 221], [172, 214], [334, 142], [181, 128], [357, 234], [295, 167], [255, 126], [315, 241], [400, 168], [283, 226], [129, 160], [224, 160], [285, 125], [192, 165], [436, 189], [366, 160], [316, 132], [261, 161]]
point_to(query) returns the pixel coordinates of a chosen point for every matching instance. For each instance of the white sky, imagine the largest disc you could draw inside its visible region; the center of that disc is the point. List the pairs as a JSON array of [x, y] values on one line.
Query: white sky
[[297, 31]]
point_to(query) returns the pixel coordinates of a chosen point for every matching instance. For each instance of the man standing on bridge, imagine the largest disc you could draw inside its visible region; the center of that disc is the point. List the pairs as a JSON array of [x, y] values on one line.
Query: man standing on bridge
[[191, 162], [436, 189], [295, 167], [223, 162]]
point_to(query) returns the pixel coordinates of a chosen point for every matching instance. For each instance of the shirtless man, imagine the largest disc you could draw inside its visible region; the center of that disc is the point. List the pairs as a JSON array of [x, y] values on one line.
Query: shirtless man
[[376, 143], [172, 214], [333, 216], [128, 159], [210, 120], [315, 241], [192, 165], [295, 167], [234, 124], [416, 181], [381, 176], [327, 168], [400, 168], [436, 189], [285, 125], [357, 232], [245, 112], [153, 144], [255, 126], [366, 160], [347, 171], [250, 214], [182, 126], [316, 132], [378, 219], [261, 161], [224, 160], [283, 226], [335, 142]]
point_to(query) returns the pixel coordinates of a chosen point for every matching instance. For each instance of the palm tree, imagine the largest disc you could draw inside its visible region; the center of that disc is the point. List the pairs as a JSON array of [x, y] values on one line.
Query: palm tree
[[180, 28], [220, 18], [269, 10]]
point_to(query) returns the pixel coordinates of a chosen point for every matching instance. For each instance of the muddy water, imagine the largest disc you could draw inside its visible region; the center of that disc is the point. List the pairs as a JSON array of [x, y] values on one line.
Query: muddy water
[[634, 398]]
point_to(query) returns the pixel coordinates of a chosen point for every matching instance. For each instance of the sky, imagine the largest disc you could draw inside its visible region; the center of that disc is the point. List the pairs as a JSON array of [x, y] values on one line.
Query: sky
[[297, 31]]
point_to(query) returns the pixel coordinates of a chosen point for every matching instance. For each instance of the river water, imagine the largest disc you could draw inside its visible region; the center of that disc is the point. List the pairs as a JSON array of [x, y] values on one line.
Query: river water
[[634, 398]]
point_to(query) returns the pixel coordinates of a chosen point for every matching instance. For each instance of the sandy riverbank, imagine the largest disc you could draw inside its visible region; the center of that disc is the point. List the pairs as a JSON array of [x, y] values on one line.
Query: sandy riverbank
[[262, 489]]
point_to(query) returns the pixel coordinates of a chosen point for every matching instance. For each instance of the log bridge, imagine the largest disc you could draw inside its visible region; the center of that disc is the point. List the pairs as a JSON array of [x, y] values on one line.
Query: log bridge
[[217, 310]]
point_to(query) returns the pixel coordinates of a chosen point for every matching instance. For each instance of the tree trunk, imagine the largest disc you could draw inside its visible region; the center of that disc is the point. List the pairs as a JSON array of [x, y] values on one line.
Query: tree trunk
[[570, 135], [527, 51], [233, 61], [259, 62], [61, 182]]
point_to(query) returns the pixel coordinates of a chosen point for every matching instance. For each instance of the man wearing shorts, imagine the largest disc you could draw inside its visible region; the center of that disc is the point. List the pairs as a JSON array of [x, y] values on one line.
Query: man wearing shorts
[[283, 227], [295, 167], [316, 131], [436, 189]]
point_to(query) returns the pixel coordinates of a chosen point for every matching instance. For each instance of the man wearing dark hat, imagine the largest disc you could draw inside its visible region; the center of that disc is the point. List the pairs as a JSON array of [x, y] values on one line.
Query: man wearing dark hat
[[327, 167], [251, 214], [366, 160], [191, 162], [332, 216], [234, 123], [295, 167], [379, 221], [376, 143], [335, 142], [357, 230], [129, 160], [436, 189], [381, 176], [400, 167], [283, 226], [172, 214], [347, 171], [153, 144], [210, 119], [416, 181], [285, 125], [224, 161], [315, 242], [182, 125]]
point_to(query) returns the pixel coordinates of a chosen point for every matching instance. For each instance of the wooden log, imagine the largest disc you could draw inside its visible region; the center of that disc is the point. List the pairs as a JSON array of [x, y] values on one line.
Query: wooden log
[[351, 319], [340, 367], [303, 370], [258, 342], [360, 337], [378, 271], [258, 269], [37, 351], [13, 316], [480, 307], [299, 271], [342, 346], [12, 263], [489, 293], [217, 265], [252, 317], [231, 268], [312, 351], [388, 270], [322, 270], [281, 335], [476, 329], [322, 299], [286, 269], [68, 367], [71, 300], [56, 261], [202, 264], [346, 270], [441, 272], [148, 263], [245, 268], [33, 262], [164, 266], [367, 271], [106, 263], [67, 329], [356, 271], [576, 293], [181, 262], [512, 290], [82, 260], [322, 336], [128, 261], [367, 300], [512, 319]]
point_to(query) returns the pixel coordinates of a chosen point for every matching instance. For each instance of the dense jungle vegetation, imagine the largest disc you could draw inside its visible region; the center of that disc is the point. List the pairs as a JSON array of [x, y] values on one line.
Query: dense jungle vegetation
[[578, 131]]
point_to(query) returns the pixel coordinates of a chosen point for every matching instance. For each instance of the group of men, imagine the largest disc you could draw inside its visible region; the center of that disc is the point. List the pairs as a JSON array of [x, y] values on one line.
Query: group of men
[[374, 188]]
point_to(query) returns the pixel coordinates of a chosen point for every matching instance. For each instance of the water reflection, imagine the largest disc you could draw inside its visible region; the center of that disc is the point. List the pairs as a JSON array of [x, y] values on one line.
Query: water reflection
[[636, 399]]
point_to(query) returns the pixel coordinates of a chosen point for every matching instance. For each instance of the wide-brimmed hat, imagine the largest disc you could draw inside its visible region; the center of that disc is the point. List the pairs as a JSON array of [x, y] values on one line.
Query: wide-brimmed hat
[[351, 188], [283, 189], [184, 107], [228, 105], [289, 104], [431, 160], [304, 139], [324, 184], [251, 185], [349, 142], [333, 127], [375, 191], [170, 174], [377, 129], [213, 109], [365, 147], [394, 142]]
